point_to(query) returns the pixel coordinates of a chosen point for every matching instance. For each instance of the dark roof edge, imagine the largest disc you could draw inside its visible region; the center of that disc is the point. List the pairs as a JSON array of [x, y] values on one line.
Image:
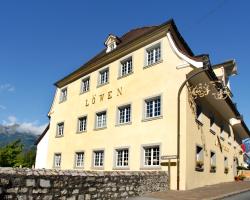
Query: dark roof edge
[[42, 135], [212, 75]]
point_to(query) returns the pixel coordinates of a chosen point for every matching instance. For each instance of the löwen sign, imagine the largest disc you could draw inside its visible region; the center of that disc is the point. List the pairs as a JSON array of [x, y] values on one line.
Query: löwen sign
[[98, 98]]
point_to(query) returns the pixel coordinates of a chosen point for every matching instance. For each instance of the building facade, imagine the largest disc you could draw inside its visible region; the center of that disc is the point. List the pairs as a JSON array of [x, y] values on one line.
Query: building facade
[[119, 112]]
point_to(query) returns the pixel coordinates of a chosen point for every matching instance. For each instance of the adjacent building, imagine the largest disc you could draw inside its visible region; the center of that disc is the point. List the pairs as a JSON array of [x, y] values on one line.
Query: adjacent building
[[119, 112]]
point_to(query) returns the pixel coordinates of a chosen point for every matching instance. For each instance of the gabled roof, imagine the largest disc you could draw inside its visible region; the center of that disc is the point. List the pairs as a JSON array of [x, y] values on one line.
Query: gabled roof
[[124, 41]]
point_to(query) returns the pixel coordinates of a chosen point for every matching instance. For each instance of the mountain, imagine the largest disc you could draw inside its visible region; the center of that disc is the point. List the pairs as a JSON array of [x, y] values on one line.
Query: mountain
[[11, 133]]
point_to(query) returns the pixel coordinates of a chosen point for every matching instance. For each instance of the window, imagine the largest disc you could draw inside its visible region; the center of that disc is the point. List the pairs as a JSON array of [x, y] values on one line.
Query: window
[[57, 160], [212, 124], [124, 114], [226, 169], [60, 129], [85, 85], [126, 67], [82, 124], [63, 95], [199, 158], [104, 76], [222, 132], [153, 54], [101, 119], [198, 113], [121, 157], [152, 156], [79, 159], [212, 162], [153, 107], [112, 46], [98, 158]]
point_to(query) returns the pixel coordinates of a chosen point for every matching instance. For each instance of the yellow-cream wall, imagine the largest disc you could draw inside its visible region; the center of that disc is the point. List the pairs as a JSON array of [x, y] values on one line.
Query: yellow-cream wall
[[201, 135]]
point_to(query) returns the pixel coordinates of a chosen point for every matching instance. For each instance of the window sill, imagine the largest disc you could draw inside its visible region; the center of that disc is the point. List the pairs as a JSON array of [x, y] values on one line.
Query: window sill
[[56, 167], [79, 168], [156, 167], [152, 118], [121, 168], [198, 169], [62, 101], [212, 131], [199, 122], [148, 66], [125, 75], [84, 92], [222, 138], [100, 85], [59, 136], [123, 124], [97, 168], [80, 132], [99, 129]]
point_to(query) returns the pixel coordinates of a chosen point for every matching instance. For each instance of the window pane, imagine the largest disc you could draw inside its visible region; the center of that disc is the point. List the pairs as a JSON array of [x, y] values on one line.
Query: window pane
[[124, 114], [153, 107]]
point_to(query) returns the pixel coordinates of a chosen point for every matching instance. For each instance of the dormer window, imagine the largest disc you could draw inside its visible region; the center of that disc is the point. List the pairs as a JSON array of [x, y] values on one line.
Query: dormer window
[[111, 43]]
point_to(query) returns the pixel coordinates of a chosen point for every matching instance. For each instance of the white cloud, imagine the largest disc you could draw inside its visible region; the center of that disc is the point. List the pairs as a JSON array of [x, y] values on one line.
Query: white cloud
[[2, 107], [29, 127], [11, 121], [25, 127], [7, 87]]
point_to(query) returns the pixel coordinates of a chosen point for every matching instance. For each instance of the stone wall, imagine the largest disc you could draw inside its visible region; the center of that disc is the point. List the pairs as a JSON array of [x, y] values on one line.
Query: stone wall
[[78, 185]]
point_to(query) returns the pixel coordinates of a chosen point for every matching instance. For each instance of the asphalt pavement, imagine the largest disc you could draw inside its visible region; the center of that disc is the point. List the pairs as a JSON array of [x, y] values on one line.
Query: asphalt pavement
[[241, 196]]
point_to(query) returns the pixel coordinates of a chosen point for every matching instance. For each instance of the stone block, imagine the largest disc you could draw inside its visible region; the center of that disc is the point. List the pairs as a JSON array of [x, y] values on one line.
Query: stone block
[[23, 190], [21, 197], [12, 190], [81, 197], [4, 181], [44, 183], [87, 197], [30, 182]]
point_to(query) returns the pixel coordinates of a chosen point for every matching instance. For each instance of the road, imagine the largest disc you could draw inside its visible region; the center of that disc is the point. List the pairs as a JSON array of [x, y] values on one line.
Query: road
[[241, 196]]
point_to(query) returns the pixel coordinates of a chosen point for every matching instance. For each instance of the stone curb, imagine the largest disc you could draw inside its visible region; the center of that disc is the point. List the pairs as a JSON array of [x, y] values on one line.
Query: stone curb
[[228, 194]]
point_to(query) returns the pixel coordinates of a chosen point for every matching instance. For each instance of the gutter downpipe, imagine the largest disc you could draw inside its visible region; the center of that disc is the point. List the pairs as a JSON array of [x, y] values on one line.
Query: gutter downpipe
[[205, 68]]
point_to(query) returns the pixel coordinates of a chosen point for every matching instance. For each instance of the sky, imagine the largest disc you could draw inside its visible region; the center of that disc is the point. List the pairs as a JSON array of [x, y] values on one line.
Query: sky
[[43, 41]]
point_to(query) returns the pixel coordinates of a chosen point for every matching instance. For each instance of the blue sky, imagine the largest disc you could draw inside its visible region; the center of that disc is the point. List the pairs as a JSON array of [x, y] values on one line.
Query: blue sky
[[42, 41]]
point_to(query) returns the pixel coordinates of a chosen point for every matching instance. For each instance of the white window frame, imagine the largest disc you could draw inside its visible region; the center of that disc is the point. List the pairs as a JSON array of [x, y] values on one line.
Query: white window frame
[[199, 156], [59, 130], [127, 66], [105, 80], [98, 155], [152, 99], [63, 94], [79, 125], [85, 87], [155, 58], [152, 160], [126, 113], [79, 159], [57, 160], [212, 159], [124, 158], [97, 115], [199, 114]]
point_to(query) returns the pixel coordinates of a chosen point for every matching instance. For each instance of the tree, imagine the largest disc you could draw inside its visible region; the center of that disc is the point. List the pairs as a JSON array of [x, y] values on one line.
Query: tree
[[9, 153]]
